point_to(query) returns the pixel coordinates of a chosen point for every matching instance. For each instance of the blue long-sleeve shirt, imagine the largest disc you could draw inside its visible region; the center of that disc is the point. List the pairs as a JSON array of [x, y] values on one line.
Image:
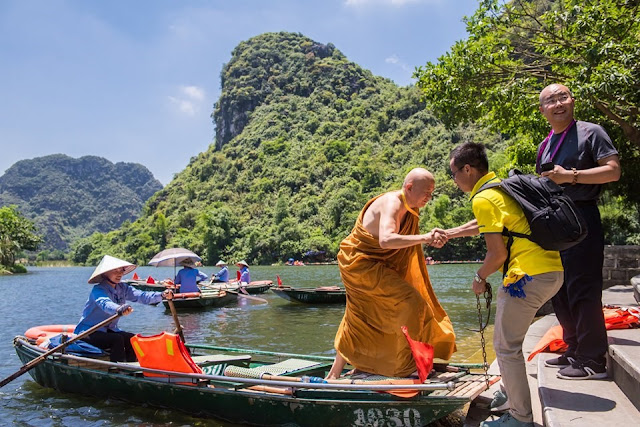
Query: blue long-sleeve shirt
[[104, 301], [244, 275], [222, 275], [188, 278]]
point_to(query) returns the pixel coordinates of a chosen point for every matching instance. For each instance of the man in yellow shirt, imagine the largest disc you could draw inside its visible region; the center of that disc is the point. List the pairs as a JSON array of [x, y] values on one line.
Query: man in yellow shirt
[[534, 275]]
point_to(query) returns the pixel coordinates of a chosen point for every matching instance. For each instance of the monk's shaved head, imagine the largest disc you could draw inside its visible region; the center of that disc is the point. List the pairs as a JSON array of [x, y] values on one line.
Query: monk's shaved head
[[418, 187], [418, 175]]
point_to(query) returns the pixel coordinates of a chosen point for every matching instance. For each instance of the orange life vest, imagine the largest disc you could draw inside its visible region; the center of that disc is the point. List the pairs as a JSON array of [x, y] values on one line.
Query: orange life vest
[[614, 318], [164, 351]]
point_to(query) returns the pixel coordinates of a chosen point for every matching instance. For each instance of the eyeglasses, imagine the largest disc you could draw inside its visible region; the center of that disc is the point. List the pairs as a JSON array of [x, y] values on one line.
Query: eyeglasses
[[563, 97], [453, 174]]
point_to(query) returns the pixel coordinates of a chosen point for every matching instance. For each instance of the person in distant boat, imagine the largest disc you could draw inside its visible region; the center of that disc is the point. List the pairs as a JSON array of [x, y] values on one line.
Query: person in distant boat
[[245, 277], [383, 270], [189, 277], [531, 274], [223, 274], [108, 297]]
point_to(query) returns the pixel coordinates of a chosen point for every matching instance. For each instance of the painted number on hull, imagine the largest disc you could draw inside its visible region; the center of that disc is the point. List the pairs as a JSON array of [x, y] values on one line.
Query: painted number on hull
[[389, 418]]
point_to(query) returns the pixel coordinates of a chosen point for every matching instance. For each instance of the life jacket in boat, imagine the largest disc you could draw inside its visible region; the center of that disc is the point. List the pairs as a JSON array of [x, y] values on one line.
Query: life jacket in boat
[[164, 351], [615, 317]]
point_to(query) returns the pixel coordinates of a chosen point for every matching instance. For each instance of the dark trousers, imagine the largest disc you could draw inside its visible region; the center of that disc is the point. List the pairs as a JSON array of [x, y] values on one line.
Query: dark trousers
[[117, 343], [578, 303]]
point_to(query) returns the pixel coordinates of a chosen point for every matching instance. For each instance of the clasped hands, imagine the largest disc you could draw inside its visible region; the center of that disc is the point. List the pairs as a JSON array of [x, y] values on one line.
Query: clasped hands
[[436, 238]]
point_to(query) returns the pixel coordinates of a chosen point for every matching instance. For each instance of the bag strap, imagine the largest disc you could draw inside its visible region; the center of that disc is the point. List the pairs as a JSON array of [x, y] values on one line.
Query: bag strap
[[505, 231]]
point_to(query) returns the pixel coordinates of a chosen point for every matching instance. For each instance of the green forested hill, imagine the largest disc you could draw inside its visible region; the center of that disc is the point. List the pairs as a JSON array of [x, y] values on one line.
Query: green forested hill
[[67, 197], [303, 138]]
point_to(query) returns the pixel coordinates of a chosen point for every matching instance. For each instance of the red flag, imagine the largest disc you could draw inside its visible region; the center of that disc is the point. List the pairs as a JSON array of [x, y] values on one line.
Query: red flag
[[238, 275], [150, 280], [422, 355], [135, 276], [279, 281]]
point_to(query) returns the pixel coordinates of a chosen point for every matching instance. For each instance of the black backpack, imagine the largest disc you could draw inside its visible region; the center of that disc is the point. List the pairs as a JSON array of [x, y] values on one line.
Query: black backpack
[[555, 222]]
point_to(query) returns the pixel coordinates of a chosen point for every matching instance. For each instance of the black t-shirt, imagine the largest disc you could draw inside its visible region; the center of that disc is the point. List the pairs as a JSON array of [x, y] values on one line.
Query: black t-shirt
[[584, 145]]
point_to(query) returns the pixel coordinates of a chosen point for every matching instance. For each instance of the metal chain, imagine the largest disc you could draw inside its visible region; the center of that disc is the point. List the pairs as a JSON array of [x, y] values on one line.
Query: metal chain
[[485, 365]]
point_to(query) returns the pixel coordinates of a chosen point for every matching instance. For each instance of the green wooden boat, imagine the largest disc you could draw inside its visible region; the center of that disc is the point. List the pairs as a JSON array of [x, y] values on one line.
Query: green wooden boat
[[323, 295], [288, 400], [144, 286], [251, 288], [206, 299]]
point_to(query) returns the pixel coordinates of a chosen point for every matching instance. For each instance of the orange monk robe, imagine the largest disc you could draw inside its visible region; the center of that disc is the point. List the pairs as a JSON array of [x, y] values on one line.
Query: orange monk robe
[[386, 289]]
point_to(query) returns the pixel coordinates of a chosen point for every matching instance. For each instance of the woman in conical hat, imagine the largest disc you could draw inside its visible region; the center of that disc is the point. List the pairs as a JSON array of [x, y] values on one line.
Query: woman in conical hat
[[189, 276], [245, 277], [108, 297], [223, 274]]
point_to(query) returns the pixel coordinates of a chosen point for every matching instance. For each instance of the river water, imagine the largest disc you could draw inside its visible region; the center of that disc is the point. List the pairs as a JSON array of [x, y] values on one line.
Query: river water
[[56, 295]]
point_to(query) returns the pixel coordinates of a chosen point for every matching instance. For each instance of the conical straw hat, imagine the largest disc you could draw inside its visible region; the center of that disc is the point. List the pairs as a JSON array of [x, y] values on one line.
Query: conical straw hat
[[220, 263], [107, 264]]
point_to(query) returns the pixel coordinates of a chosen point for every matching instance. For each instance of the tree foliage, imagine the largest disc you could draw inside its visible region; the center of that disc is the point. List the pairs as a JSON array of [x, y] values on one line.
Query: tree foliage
[[516, 48], [16, 234], [304, 138], [66, 197]]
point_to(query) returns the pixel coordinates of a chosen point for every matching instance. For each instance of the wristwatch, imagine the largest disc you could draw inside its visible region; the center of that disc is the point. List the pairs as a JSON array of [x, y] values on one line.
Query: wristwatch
[[478, 279]]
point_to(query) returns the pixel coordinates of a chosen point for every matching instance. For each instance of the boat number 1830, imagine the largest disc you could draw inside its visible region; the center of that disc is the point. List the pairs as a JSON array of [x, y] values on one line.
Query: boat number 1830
[[389, 418]]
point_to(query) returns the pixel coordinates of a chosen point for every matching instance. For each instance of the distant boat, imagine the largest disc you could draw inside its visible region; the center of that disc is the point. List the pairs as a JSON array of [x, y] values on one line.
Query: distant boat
[[144, 285], [200, 300], [255, 287], [322, 295], [249, 387]]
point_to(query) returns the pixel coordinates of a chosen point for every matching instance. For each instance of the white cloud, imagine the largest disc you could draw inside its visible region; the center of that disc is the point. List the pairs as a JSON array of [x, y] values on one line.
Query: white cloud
[[193, 92], [189, 100], [183, 105], [357, 3], [393, 59]]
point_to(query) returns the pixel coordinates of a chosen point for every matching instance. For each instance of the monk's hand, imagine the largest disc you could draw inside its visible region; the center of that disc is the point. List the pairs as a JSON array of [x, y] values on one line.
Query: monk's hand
[[437, 238]]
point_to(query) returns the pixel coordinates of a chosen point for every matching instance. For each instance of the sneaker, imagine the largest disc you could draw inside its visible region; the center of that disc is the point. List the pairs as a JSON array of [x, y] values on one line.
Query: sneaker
[[560, 362], [583, 370], [500, 402], [505, 421]]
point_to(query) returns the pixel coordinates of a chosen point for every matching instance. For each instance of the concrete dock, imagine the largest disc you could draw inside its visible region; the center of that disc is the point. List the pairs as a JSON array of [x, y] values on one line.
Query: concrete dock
[[558, 403]]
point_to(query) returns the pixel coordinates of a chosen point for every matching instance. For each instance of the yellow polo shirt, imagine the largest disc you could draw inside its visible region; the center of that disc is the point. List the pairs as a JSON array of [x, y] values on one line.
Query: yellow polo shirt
[[494, 209]]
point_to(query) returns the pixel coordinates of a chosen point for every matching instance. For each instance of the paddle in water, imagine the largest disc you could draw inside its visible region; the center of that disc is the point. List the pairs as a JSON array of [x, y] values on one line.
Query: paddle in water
[[26, 367], [174, 313]]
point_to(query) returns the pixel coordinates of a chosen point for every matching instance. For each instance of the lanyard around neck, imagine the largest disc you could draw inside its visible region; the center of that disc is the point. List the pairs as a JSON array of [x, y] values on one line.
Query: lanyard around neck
[[546, 141]]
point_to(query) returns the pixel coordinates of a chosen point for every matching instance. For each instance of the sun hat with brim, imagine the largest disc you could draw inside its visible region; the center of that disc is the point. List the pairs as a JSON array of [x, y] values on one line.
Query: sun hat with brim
[[220, 263], [109, 263], [188, 262], [243, 262]]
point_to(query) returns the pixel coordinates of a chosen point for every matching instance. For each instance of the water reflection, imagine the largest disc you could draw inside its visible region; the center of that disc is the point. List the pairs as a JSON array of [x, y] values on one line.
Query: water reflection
[[57, 295]]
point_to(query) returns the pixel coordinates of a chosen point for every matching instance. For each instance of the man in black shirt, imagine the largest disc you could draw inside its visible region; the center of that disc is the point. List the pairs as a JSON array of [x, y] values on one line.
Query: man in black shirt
[[580, 156]]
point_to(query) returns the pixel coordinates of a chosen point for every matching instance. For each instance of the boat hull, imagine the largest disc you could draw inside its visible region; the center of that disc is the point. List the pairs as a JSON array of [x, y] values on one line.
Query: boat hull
[[311, 295], [241, 406], [202, 302]]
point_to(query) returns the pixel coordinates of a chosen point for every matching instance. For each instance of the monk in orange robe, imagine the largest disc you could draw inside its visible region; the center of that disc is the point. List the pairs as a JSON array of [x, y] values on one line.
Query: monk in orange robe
[[383, 269]]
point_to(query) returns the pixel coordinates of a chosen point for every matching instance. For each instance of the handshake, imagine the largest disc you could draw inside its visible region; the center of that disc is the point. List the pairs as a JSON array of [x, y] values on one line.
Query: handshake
[[436, 238]]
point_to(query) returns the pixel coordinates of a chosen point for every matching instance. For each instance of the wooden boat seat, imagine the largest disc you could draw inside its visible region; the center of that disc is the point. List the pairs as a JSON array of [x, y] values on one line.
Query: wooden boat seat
[[289, 366], [210, 359]]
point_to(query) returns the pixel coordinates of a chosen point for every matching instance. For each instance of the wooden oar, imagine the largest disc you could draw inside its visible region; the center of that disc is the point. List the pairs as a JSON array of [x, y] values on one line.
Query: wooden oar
[[174, 313], [237, 371], [27, 366]]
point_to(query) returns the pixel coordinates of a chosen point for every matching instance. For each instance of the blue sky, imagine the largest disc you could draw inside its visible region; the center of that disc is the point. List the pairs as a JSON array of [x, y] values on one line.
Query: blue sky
[[136, 80]]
